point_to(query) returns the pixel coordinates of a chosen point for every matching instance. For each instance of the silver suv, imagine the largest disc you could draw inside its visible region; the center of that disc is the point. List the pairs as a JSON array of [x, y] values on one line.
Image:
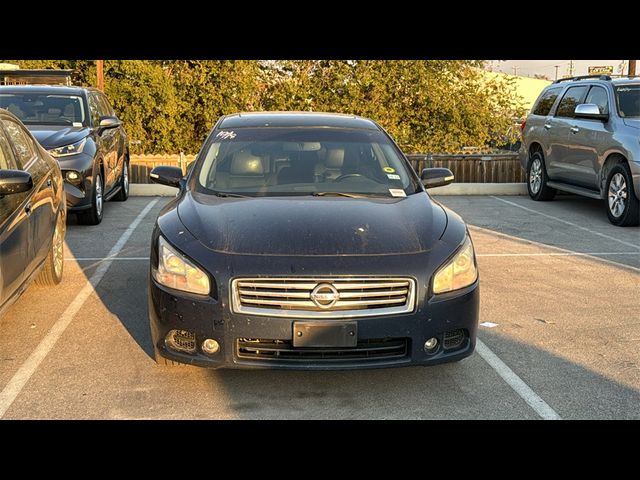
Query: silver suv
[[583, 136]]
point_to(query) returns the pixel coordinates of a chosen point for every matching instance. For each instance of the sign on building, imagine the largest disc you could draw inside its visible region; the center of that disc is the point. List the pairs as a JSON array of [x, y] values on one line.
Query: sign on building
[[601, 70]]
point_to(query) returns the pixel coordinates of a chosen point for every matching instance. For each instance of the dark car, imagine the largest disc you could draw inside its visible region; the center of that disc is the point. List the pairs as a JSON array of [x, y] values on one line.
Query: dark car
[[32, 212], [307, 241], [80, 129]]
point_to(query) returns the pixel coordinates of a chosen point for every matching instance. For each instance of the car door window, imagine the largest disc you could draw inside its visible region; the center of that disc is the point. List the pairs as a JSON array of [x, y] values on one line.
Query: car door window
[[95, 110], [546, 101], [7, 160], [105, 106], [8, 203], [598, 96], [570, 101], [24, 148]]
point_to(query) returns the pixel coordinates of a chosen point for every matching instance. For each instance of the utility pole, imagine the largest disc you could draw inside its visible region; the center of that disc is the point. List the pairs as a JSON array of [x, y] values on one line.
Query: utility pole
[[100, 74], [556, 71], [571, 68], [515, 71], [632, 68]]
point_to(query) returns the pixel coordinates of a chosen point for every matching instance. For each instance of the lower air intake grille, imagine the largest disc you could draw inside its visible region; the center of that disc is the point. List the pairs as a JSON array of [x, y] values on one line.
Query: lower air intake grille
[[453, 339], [283, 351]]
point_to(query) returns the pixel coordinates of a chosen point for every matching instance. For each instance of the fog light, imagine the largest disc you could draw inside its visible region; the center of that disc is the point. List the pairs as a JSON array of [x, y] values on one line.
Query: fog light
[[73, 176], [181, 341], [210, 346], [431, 345]]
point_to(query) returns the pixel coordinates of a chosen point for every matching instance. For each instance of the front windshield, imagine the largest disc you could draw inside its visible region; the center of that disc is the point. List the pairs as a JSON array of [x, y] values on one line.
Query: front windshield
[[274, 161], [44, 109], [628, 97]]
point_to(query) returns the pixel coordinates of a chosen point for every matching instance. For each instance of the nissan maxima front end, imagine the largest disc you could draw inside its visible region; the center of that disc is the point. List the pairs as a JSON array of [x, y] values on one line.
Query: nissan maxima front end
[[306, 241]]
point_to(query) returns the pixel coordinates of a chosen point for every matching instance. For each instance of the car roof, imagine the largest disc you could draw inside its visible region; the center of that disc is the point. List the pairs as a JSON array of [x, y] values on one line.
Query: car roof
[[295, 119], [53, 89], [626, 81]]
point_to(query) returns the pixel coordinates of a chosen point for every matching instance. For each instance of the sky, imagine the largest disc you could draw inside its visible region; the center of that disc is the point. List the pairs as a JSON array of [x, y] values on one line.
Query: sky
[[528, 68]]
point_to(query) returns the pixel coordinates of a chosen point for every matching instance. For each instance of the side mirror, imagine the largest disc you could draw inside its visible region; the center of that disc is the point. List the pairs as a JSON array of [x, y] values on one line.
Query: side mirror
[[165, 175], [591, 111], [436, 177], [14, 181], [109, 122]]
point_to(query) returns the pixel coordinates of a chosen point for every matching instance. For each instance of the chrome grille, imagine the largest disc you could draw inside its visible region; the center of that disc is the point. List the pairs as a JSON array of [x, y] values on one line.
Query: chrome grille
[[323, 297]]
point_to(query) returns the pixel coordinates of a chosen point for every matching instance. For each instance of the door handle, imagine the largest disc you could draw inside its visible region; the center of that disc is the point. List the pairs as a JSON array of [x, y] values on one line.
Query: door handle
[[575, 129], [27, 208], [547, 126]]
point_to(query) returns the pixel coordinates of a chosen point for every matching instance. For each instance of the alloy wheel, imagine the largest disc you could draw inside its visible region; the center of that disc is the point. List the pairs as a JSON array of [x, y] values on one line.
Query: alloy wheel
[[58, 247], [99, 195], [535, 175], [617, 196]]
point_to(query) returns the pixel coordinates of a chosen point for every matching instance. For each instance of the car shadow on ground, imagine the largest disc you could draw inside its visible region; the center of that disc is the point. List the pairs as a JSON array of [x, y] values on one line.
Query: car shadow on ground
[[589, 385], [469, 389]]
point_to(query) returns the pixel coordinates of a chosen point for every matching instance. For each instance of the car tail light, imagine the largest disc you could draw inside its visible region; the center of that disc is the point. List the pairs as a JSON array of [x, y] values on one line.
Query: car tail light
[[522, 125]]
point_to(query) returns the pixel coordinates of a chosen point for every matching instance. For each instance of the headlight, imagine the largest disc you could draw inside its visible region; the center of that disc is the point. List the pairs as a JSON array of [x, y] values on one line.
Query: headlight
[[68, 149], [459, 272], [175, 271]]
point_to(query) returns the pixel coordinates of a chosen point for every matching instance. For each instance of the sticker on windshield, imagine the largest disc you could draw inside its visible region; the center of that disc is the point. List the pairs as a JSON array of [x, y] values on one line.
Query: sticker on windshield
[[389, 170], [226, 135], [393, 176], [397, 192], [76, 124]]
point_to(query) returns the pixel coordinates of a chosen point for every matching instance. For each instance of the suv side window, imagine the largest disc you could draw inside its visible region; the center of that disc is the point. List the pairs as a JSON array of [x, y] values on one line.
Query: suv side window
[[570, 101], [95, 110], [21, 142], [598, 95], [546, 101], [105, 105], [7, 160]]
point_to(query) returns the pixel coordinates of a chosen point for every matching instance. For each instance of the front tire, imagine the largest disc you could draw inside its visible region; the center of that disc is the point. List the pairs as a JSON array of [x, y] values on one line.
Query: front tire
[[51, 273], [123, 193], [623, 207], [537, 179], [94, 215]]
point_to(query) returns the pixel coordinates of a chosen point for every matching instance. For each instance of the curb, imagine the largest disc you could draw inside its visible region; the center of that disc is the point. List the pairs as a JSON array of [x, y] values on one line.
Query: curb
[[155, 190], [481, 189], [151, 190]]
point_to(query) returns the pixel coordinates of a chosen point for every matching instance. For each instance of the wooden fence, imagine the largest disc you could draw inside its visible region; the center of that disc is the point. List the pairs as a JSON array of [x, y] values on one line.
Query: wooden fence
[[474, 168], [467, 168], [141, 165]]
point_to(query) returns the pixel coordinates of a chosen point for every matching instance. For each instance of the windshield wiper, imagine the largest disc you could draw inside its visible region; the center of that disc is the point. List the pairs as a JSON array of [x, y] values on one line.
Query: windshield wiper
[[344, 194], [228, 194]]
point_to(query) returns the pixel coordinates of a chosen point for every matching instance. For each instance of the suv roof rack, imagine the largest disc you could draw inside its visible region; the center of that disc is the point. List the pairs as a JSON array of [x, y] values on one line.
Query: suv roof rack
[[582, 77]]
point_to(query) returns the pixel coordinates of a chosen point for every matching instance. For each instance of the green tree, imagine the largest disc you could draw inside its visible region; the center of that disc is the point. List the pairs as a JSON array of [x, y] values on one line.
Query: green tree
[[143, 94], [207, 89]]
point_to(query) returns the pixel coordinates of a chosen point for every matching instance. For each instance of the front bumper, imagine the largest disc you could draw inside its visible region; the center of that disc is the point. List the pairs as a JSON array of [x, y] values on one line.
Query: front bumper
[[210, 318], [78, 193]]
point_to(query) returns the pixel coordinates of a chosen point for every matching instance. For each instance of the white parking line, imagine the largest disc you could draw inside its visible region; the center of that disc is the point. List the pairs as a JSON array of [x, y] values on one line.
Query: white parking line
[[31, 364], [566, 222], [523, 390], [551, 247]]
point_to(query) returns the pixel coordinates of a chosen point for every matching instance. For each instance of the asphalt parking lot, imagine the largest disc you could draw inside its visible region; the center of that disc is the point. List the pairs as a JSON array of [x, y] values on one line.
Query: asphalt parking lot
[[559, 337]]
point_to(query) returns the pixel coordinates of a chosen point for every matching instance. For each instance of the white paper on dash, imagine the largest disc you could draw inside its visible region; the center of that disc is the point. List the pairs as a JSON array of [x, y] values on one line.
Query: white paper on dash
[[488, 324]]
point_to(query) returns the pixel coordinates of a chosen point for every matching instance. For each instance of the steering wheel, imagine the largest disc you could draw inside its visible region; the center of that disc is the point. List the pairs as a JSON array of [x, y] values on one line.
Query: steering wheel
[[347, 175]]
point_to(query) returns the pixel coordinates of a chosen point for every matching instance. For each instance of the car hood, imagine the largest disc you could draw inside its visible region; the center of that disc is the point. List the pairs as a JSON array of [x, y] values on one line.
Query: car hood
[[632, 122], [300, 226], [52, 136]]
